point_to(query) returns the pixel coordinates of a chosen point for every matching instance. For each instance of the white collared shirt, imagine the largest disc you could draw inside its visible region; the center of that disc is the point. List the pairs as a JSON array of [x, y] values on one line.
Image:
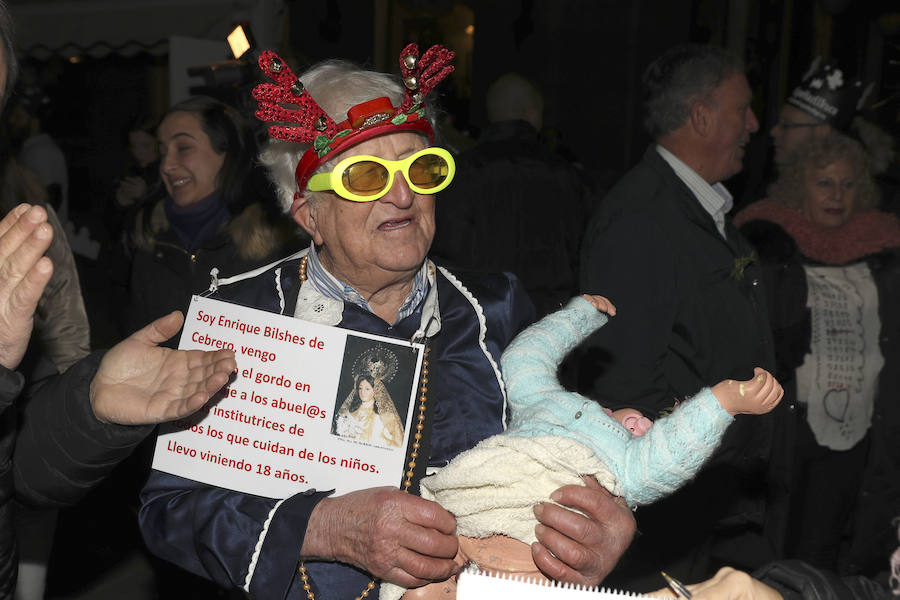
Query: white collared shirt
[[715, 199], [331, 287]]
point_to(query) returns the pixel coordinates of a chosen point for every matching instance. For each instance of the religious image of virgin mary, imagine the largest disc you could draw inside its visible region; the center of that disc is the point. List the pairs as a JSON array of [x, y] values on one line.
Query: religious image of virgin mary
[[369, 414]]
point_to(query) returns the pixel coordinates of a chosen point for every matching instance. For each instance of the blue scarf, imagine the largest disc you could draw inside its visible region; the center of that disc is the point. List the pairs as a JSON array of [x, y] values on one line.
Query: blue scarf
[[197, 222]]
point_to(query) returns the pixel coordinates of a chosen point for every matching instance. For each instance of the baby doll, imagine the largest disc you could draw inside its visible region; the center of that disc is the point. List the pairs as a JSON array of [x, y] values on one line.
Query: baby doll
[[555, 437]]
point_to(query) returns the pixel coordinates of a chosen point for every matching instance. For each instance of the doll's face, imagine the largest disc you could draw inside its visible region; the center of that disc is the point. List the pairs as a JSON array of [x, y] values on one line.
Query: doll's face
[[497, 554]]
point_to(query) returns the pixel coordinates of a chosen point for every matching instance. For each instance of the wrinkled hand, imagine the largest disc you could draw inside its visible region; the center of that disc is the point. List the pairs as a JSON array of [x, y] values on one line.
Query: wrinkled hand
[[756, 396], [24, 272], [727, 584], [601, 303], [395, 536], [140, 383], [575, 548]]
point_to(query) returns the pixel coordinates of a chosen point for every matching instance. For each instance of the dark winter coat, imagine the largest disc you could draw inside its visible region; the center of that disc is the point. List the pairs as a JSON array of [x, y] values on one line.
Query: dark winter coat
[[60, 452], [690, 313], [239, 540], [878, 503], [164, 274]]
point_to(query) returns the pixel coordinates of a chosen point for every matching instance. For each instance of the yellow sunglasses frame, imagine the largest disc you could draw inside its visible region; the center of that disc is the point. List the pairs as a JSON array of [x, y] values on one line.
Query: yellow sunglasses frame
[[333, 180]]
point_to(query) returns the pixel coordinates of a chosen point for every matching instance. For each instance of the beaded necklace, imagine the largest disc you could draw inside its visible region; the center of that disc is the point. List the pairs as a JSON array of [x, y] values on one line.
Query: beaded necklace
[[413, 455]]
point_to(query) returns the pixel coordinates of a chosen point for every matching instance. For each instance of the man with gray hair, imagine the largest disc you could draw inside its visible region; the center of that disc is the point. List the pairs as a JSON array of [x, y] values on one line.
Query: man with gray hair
[[692, 310]]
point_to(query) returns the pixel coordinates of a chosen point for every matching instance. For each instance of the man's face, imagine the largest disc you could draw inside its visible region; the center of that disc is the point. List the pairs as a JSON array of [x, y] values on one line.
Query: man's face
[[792, 129], [732, 123], [368, 242]]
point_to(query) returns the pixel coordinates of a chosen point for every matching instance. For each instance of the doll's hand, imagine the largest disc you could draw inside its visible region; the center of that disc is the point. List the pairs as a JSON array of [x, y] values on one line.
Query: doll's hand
[[601, 303], [756, 396], [632, 420]]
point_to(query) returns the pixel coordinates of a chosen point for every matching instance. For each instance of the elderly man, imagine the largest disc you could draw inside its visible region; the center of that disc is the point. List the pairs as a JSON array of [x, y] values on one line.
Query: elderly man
[[77, 426], [362, 184], [691, 310]]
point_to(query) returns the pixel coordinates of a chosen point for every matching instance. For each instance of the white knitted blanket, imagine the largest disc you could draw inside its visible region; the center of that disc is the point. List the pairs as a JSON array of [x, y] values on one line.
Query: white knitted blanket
[[492, 488]]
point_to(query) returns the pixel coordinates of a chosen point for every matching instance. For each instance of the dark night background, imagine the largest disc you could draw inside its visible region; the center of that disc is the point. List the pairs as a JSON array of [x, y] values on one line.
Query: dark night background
[[587, 55], [101, 62]]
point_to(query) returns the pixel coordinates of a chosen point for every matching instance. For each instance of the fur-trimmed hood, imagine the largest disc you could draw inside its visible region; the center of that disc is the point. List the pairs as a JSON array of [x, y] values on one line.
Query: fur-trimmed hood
[[254, 235]]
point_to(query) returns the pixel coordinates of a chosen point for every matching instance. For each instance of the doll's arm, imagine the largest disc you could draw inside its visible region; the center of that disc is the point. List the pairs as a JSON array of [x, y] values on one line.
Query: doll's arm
[[531, 360]]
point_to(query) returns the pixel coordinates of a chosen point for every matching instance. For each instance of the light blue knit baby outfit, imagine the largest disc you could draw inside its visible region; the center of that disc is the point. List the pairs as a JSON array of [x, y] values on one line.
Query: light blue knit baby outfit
[[648, 467], [556, 436]]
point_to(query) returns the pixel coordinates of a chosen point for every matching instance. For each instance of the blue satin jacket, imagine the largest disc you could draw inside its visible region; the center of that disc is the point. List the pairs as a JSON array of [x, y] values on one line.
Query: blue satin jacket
[[245, 541]]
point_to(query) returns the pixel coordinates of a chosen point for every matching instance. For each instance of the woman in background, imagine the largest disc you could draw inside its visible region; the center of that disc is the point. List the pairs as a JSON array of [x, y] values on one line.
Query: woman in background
[[143, 170], [216, 210], [833, 276]]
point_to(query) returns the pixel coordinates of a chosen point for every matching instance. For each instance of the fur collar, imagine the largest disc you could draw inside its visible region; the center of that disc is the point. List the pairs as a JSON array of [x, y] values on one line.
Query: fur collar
[[865, 233], [254, 236]]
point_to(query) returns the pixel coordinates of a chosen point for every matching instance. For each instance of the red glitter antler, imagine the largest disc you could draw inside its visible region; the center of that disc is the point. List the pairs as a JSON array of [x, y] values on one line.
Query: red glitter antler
[[421, 75], [301, 119], [273, 98]]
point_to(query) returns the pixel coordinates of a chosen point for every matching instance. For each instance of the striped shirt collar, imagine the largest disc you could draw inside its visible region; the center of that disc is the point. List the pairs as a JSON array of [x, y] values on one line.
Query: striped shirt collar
[[715, 199], [331, 287]]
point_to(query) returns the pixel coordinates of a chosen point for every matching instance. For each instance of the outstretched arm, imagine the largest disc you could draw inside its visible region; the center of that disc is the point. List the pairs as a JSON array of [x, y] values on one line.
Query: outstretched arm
[[647, 468], [77, 426], [140, 382], [677, 445], [531, 360]]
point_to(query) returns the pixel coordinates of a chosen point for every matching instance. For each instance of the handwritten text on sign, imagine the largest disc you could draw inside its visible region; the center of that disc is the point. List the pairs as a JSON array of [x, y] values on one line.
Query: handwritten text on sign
[[273, 432]]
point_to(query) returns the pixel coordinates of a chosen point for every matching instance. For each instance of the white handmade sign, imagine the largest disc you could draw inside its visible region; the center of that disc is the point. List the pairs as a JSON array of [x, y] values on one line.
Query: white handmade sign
[[310, 406]]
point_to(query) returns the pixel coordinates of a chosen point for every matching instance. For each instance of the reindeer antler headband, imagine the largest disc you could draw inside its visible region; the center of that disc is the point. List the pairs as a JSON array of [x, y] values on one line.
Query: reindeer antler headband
[[309, 123]]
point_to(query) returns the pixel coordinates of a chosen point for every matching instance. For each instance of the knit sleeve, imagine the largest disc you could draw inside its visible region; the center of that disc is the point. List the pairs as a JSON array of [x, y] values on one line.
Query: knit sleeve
[[648, 467], [671, 453], [531, 360]]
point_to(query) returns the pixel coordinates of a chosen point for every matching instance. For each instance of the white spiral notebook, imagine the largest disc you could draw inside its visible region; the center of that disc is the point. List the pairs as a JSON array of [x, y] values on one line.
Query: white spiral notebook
[[475, 584]]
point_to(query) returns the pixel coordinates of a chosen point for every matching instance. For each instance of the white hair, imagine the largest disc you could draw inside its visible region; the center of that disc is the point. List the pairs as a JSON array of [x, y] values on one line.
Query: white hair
[[337, 86]]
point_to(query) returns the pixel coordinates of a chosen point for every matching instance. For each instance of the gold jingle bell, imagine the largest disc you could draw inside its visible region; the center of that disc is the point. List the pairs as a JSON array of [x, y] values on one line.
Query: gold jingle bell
[[418, 97], [321, 124], [410, 61], [297, 88], [411, 82], [275, 65]]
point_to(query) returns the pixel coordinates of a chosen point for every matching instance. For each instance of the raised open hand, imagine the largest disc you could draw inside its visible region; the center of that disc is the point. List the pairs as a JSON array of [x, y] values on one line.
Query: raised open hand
[[140, 383], [24, 272]]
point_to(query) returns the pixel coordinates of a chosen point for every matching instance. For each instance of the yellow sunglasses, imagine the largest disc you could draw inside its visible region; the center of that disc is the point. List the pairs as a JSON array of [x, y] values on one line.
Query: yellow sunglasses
[[366, 178]]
